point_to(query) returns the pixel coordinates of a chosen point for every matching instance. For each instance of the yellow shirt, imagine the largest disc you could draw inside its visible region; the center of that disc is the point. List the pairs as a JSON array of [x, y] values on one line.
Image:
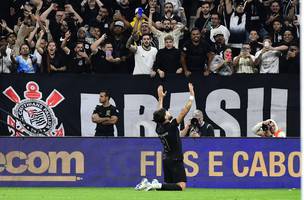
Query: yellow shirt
[[139, 23]]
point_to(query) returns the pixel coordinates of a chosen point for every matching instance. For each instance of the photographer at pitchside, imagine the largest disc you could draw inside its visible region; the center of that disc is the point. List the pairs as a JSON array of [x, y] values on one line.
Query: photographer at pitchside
[[197, 127], [268, 128]]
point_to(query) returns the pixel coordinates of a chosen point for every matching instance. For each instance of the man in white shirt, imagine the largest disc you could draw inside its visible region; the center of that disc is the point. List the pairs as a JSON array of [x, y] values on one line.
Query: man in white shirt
[[144, 55], [268, 57]]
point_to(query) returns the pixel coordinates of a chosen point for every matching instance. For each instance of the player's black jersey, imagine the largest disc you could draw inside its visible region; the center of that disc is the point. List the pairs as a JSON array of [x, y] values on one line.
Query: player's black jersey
[[105, 130], [169, 136]]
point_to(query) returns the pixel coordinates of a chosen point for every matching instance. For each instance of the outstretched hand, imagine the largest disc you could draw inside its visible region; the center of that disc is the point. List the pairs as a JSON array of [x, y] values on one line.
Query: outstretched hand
[[191, 89], [160, 92]]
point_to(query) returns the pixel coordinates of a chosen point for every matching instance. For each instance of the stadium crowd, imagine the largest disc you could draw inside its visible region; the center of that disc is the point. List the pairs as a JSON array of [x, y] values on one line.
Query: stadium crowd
[[152, 37]]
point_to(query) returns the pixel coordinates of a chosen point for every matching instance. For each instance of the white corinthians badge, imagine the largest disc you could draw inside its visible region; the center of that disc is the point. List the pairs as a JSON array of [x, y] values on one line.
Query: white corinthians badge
[[33, 116]]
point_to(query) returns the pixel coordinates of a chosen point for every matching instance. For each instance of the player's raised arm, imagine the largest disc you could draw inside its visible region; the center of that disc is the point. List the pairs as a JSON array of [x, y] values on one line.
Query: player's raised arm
[[188, 105], [161, 94]]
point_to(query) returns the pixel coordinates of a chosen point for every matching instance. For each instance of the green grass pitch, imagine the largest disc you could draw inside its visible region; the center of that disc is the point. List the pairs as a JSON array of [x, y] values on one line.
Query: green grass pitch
[[131, 194]]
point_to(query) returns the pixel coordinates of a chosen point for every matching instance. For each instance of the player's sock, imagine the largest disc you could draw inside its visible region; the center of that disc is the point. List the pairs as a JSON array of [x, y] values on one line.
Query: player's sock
[[170, 186]]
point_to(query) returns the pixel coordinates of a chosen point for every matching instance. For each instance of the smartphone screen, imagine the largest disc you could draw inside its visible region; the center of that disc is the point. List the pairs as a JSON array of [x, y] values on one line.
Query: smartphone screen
[[228, 56], [108, 53]]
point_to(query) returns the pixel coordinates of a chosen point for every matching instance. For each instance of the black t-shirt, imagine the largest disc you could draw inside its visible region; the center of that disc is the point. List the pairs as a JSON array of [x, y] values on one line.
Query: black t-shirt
[[204, 131], [104, 25], [290, 66], [57, 61], [100, 64], [77, 65], [219, 49], [58, 35], [277, 38], [255, 47], [119, 46], [202, 23], [254, 15], [168, 60], [196, 56], [105, 130], [89, 14], [119, 51], [169, 136], [173, 17]]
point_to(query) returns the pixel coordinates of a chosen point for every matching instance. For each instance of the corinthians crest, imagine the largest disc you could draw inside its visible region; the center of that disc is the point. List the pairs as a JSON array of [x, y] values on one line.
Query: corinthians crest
[[33, 116]]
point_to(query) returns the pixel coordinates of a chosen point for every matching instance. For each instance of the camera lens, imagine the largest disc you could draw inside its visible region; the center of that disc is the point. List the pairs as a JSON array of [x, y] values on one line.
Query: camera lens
[[264, 127], [194, 122]]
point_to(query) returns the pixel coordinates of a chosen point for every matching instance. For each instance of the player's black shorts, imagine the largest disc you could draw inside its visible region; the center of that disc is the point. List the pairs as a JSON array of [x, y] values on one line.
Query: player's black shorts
[[174, 171], [107, 134]]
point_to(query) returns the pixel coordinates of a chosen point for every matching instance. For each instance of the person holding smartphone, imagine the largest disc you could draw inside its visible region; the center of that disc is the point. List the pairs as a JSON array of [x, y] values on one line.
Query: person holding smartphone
[[102, 58], [139, 18], [222, 65], [268, 58], [244, 62], [78, 59]]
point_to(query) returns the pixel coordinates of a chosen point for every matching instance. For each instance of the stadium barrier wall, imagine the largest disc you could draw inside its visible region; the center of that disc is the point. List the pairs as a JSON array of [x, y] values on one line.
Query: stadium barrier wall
[[62, 104], [122, 162]]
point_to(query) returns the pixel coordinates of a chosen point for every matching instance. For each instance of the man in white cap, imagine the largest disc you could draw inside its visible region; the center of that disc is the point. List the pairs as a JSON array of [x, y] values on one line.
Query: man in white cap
[[119, 24], [118, 40], [216, 27]]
